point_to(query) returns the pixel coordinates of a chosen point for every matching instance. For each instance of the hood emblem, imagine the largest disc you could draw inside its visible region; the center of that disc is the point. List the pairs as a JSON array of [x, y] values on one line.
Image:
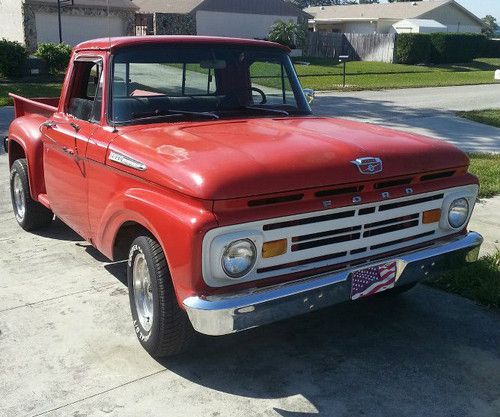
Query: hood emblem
[[368, 165]]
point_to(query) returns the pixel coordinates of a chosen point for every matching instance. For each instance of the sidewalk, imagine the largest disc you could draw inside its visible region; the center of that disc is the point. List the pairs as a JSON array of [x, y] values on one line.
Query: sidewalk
[[486, 220]]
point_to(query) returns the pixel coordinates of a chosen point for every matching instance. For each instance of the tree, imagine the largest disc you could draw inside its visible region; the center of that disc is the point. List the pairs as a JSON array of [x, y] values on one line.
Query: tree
[[288, 33], [490, 26]]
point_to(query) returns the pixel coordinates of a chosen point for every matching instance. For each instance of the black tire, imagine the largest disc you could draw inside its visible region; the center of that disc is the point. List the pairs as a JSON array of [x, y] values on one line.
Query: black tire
[[34, 215], [170, 332]]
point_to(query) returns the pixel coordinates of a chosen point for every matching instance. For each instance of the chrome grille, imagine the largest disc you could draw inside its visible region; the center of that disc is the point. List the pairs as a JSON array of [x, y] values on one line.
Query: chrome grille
[[341, 236]]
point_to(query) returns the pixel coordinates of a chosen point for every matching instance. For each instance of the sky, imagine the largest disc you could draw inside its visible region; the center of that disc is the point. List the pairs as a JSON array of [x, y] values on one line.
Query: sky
[[482, 8]]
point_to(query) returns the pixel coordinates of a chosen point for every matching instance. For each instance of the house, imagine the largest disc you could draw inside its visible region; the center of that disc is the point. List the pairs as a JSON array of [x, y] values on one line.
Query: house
[[418, 26], [380, 18], [33, 21], [238, 18]]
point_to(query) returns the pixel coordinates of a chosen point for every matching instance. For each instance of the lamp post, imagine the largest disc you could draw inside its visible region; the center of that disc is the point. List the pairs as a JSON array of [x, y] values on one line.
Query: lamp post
[[60, 4], [59, 19]]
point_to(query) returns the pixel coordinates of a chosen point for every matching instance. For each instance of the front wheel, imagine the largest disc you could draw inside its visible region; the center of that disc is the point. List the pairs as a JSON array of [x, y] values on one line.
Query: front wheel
[[30, 214], [163, 329]]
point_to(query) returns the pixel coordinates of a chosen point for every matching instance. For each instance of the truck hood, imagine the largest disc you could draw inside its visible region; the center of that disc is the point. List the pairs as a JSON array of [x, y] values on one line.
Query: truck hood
[[238, 158]]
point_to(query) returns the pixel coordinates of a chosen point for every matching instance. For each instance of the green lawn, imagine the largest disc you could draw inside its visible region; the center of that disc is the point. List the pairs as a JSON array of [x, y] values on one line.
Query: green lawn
[[488, 117], [479, 281], [28, 88], [324, 74], [487, 168]]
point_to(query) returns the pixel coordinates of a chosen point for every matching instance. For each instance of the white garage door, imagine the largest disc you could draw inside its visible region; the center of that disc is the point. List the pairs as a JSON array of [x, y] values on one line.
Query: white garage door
[[76, 29], [240, 25]]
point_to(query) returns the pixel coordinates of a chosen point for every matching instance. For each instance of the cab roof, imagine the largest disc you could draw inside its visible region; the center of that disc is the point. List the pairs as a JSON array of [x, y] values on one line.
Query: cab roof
[[124, 41]]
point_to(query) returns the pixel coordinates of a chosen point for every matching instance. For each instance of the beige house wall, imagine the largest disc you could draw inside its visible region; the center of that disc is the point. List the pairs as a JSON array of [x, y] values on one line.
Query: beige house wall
[[244, 25], [454, 18], [11, 20]]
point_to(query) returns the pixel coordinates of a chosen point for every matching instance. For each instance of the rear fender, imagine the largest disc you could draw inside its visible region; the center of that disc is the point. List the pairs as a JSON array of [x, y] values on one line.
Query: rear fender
[[25, 132], [177, 224]]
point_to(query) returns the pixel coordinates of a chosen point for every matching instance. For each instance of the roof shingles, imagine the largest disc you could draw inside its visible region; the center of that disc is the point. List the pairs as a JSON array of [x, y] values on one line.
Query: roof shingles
[[399, 10]]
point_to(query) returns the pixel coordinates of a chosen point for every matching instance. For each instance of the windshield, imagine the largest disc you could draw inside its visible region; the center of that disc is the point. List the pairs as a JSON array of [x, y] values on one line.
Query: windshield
[[203, 82]]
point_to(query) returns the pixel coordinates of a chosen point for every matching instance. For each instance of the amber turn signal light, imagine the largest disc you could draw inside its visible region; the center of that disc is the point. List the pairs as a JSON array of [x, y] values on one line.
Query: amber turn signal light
[[274, 248], [431, 216]]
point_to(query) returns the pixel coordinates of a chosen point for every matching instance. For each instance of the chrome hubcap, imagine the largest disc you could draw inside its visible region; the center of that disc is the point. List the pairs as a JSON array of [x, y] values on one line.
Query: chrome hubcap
[[143, 292], [19, 200]]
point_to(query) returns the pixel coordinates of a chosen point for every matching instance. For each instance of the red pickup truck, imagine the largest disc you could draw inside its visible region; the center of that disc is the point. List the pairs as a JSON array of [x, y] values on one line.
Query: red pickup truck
[[198, 161]]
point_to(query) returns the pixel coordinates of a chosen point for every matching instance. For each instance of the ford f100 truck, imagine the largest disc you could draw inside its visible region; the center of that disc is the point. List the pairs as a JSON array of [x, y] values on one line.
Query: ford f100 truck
[[197, 161]]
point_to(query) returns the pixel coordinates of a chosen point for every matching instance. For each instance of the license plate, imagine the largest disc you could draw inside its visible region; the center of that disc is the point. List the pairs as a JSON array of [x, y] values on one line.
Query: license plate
[[374, 279]]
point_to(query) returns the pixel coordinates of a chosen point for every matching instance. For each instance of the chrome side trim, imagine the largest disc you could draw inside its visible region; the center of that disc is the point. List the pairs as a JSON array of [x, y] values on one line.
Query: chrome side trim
[[228, 313], [127, 161]]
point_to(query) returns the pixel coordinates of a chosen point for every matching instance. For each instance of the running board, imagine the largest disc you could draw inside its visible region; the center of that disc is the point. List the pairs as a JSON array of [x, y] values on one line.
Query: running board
[[44, 199]]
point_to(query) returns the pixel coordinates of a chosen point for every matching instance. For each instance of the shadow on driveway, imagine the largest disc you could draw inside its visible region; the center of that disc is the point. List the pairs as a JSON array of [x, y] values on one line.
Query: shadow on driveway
[[426, 353]]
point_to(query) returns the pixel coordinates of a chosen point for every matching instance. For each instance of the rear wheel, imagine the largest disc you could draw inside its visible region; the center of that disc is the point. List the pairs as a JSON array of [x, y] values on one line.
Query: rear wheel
[[163, 329], [30, 214]]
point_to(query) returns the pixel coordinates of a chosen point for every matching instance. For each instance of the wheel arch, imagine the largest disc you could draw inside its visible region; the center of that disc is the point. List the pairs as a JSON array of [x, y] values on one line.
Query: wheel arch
[[16, 151], [25, 140], [177, 226], [125, 235]]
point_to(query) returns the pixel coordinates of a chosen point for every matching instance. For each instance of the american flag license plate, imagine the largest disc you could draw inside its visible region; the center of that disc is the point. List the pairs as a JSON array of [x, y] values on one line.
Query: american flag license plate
[[369, 281]]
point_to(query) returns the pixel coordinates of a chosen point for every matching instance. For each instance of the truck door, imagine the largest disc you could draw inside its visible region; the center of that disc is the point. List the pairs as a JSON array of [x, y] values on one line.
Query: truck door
[[65, 138]]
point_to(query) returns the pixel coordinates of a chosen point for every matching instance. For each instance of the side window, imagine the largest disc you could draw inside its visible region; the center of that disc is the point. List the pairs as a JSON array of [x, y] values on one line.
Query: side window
[[86, 91], [270, 78]]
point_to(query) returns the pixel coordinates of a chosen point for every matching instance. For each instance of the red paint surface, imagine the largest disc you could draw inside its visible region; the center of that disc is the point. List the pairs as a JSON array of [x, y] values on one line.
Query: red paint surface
[[202, 174]]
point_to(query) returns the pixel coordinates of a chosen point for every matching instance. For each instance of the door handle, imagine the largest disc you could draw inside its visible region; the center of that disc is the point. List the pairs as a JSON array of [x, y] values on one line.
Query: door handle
[[49, 124], [69, 151], [75, 126]]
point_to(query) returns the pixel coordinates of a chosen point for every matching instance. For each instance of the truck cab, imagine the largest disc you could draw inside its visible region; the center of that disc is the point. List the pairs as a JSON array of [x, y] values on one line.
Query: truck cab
[[198, 162]]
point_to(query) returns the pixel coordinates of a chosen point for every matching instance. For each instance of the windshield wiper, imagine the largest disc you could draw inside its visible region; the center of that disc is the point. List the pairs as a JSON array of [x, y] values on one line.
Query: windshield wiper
[[168, 114], [267, 111]]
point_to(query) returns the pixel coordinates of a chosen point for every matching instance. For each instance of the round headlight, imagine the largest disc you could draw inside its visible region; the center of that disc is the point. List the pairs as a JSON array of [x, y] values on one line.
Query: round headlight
[[238, 258], [458, 213]]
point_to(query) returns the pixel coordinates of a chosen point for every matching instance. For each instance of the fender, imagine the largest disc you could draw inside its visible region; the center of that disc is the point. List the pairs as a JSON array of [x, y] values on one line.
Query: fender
[[177, 223], [25, 131]]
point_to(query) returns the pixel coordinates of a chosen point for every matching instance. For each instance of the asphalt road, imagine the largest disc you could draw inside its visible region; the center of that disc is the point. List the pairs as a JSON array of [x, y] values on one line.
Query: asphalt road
[[67, 348], [427, 111]]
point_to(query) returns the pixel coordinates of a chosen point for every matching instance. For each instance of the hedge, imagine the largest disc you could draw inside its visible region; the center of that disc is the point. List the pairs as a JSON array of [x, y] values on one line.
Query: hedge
[[439, 48], [449, 48], [13, 57], [492, 49], [413, 48], [55, 55]]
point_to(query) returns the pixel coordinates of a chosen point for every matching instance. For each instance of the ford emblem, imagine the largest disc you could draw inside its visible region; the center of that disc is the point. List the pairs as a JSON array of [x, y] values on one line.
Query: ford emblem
[[368, 165]]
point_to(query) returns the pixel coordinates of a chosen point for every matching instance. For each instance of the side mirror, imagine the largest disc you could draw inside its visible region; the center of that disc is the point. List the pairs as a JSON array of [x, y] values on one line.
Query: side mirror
[[309, 95]]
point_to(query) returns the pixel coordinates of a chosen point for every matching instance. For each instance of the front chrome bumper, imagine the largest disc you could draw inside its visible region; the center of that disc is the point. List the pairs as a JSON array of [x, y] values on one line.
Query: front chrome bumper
[[229, 313]]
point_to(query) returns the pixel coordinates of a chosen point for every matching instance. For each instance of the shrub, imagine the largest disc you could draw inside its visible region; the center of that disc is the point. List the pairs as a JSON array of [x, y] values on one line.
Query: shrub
[[413, 48], [491, 49], [439, 48], [288, 33], [56, 55], [13, 57], [450, 48]]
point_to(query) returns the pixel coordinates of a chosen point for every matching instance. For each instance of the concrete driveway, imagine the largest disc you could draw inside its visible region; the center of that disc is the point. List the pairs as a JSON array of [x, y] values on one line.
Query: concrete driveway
[[67, 348], [427, 111]]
